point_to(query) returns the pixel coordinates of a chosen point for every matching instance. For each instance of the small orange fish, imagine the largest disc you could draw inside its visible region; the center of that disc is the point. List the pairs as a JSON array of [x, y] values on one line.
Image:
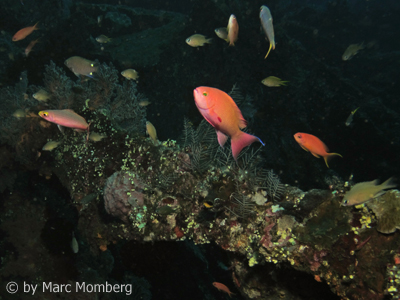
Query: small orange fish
[[24, 32], [219, 109], [233, 30], [66, 118], [223, 287], [30, 46], [313, 144]]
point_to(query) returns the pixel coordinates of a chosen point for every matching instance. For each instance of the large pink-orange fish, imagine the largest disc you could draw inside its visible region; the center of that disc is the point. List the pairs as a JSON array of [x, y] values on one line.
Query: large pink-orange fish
[[313, 144], [24, 32], [65, 118], [219, 109]]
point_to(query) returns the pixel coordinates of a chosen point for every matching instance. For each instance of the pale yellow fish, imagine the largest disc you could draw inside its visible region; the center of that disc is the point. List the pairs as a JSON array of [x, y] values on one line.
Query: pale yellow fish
[[41, 95], [151, 131], [144, 103], [102, 39], [197, 40], [352, 50], [267, 25], [81, 66], [364, 191], [273, 81], [99, 20], [19, 113], [130, 74], [350, 117], [233, 30], [51, 145], [222, 33], [96, 137]]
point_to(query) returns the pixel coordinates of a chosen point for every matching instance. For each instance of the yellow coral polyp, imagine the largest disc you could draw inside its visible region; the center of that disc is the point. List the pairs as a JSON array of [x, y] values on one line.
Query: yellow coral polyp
[[253, 261]]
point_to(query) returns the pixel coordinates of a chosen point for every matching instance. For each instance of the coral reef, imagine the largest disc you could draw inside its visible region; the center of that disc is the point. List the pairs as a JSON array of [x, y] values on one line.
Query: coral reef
[[158, 193], [386, 209], [123, 192]]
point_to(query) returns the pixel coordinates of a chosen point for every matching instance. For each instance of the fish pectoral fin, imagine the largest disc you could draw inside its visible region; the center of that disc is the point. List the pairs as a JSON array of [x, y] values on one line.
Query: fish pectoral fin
[[316, 155], [61, 128], [304, 148], [222, 138]]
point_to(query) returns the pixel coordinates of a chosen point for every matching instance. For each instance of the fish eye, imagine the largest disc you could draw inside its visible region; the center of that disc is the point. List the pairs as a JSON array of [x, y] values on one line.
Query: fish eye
[[345, 202], [205, 94], [188, 40], [299, 136], [45, 114]]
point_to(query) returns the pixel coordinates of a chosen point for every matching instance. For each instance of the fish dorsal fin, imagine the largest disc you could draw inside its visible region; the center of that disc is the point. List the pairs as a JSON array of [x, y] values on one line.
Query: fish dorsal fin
[[242, 121], [325, 147], [238, 113], [375, 182]]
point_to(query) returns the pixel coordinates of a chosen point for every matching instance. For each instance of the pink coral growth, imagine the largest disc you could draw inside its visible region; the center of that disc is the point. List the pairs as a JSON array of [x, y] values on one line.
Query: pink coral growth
[[315, 262], [266, 239], [123, 191]]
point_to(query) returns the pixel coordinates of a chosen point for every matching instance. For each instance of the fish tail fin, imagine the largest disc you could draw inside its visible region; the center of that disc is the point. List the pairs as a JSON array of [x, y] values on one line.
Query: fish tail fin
[[329, 156], [354, 111], [209, 41], [242, 140], [389, 184], [269, 50], [35, 27]]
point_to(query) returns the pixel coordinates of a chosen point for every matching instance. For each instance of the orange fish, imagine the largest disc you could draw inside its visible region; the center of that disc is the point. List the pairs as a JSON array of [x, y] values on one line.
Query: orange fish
[[24, 32], [223, 287], [313, 144], [30, 46], [219, 109], [233, 30], [66, 118]]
